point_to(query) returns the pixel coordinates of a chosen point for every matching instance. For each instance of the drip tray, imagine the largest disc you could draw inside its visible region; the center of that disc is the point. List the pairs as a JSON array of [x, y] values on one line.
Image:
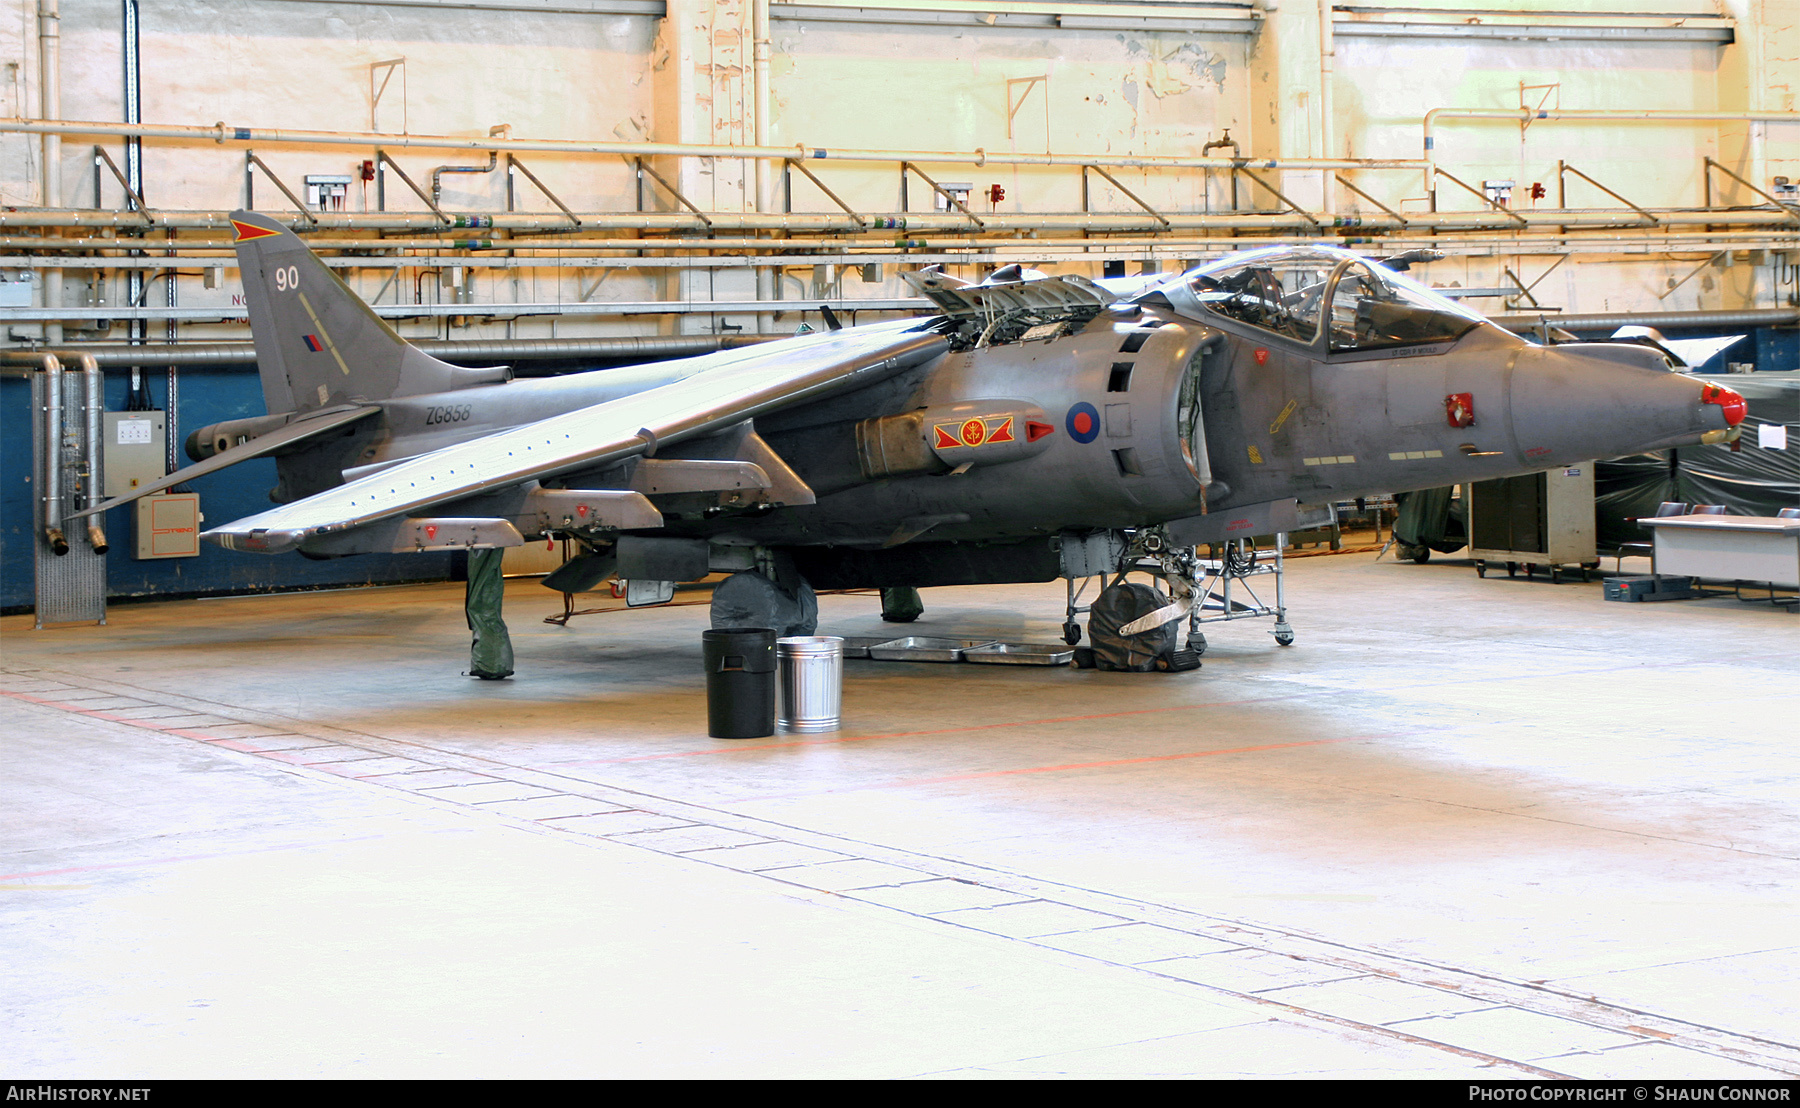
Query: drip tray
[[1020, 654], [858, 646], [923, 648]]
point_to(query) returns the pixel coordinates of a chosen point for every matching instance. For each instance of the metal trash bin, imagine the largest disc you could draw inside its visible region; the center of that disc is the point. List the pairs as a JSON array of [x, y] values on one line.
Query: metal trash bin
[[740, 682], [811, 681]]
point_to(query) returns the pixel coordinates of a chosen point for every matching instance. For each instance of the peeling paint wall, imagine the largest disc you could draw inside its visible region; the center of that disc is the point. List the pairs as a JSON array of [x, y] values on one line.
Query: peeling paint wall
[[961, 89]]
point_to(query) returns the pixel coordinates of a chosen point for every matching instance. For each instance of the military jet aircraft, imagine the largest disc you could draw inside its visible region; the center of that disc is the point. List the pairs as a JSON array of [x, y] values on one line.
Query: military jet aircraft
[[1034, 427]]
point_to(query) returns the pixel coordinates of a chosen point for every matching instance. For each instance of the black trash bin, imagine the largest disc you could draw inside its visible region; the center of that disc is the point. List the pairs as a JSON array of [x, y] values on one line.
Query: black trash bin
[[740, 682]]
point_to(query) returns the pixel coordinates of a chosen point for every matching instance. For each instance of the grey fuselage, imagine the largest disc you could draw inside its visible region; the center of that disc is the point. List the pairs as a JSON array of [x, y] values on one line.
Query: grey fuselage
[[1280, 420]]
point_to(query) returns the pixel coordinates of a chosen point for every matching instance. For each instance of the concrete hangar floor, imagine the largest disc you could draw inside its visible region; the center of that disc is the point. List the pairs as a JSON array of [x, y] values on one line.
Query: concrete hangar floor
[[1463, 829]]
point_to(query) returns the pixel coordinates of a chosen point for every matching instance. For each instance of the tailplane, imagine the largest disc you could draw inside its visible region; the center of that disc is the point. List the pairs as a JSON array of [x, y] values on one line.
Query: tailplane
[[317, 343]]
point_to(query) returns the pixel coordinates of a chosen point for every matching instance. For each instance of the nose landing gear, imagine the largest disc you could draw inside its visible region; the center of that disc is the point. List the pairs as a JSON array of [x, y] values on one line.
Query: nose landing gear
[[1201, 589]]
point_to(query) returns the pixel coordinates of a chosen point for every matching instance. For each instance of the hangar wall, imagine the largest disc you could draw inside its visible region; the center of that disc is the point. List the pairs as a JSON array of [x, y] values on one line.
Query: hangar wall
[[1333, 113], [563, 72]]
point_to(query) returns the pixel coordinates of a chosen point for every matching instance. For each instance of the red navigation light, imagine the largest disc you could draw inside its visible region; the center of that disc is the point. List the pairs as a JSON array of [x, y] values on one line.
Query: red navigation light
[[1729, 401]]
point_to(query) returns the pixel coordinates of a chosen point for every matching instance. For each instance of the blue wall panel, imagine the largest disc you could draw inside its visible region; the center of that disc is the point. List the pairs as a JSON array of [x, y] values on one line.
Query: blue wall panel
[[1777, 348], [206, 396]]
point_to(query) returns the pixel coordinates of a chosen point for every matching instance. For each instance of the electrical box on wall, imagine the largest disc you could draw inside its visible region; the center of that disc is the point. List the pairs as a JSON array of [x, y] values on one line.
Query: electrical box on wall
[[16, 288], [134, 450], [168, 525], [958, 189], [326, 192]]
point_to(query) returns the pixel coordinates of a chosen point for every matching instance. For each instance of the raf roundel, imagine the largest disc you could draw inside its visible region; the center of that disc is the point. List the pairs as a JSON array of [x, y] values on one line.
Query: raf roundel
[[1083, 422]]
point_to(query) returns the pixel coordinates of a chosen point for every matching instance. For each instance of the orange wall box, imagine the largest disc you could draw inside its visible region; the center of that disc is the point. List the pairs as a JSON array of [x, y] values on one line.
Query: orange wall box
[[168, 525]]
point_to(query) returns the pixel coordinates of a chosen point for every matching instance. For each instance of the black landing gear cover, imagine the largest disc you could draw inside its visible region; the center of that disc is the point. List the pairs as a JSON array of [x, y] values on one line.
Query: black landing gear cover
[[748, 599], [1117, 605]]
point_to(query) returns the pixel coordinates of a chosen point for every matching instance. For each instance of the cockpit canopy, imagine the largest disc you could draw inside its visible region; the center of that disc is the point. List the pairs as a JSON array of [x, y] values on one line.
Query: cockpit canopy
[[1299, 292]]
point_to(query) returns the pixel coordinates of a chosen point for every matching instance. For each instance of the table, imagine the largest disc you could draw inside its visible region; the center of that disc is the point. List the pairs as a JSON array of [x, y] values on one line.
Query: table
[[1727, 548]]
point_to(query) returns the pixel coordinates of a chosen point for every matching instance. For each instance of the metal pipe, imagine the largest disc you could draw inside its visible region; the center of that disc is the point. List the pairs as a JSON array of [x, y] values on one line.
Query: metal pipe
[[131, 56], [501, 310], [1327, 62], [834, 224], [669, 346], [134, 156], [1525, 323], [222, 133], [475, 350], [437, 186], [1532, 115], [50, 104], [51, 472], [1236, 156], [761, 103], [739, 252], [95, 398]]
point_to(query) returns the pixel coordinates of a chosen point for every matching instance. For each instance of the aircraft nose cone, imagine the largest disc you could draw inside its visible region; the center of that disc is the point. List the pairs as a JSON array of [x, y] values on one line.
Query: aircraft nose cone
[[1574, 404], [1730, 401]]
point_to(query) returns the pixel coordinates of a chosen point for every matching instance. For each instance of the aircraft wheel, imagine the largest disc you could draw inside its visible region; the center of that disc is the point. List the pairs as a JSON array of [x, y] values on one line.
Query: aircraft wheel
[[1071, 633]]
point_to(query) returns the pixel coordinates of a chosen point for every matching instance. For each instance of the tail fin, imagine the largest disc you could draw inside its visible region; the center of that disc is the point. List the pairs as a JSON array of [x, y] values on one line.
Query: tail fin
[[317, 343]]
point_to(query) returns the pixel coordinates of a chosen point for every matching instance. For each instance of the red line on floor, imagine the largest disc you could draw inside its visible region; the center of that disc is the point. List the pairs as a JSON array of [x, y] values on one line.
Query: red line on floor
[[93, 713], [939, 731], [101, 713]]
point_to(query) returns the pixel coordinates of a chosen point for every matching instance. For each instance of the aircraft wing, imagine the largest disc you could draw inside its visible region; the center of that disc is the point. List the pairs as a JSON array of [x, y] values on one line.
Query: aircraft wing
[[741, 386], [299, 430]]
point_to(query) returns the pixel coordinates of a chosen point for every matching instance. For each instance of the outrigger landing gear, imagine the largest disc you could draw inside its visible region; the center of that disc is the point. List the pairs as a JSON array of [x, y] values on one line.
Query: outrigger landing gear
[[1234, 563]]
